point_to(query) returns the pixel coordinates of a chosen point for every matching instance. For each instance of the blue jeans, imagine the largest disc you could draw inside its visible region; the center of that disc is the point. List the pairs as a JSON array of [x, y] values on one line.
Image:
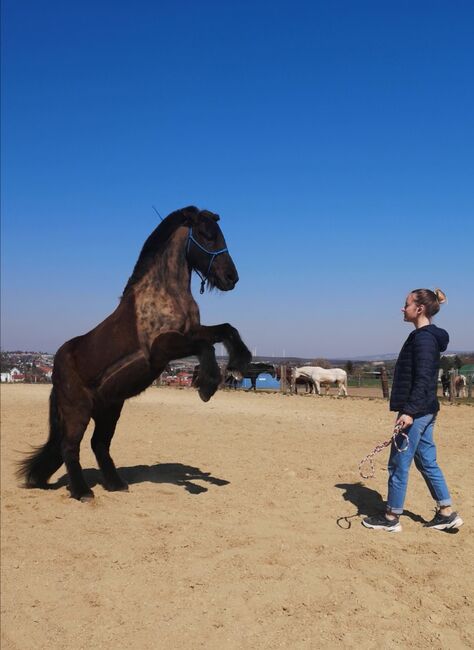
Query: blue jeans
[[421, 447]]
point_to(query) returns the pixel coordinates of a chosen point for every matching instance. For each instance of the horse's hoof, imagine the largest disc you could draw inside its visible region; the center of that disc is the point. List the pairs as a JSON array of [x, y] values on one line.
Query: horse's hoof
[[204, 395], [86, 498]]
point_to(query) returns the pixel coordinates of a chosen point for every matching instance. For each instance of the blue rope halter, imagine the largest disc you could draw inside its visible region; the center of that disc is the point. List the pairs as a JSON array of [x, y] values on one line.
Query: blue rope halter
[[213, 255]]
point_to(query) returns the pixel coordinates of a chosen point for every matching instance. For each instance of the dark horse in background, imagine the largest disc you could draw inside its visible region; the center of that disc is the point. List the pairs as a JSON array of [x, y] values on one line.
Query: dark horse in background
[[252, 371], [233, 378], [156, 321]]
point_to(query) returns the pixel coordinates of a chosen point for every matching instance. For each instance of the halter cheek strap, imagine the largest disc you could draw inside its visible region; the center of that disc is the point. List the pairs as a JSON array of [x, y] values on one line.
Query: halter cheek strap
[[213, 255]]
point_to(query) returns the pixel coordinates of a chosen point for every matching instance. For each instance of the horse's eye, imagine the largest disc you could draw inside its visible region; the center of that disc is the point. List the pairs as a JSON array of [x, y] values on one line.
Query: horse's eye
[[208, 236]]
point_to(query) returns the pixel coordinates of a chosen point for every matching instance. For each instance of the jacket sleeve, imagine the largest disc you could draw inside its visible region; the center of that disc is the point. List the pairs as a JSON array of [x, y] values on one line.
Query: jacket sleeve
[[425, 359]]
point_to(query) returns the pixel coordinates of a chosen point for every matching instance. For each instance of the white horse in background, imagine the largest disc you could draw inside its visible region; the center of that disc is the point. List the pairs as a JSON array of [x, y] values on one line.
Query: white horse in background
[[460, 385], [324, 376]]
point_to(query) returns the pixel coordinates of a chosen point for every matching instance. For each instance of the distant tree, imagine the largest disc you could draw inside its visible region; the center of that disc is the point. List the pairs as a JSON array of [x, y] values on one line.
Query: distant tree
[[349, 367], [446, 363], [321, 363], [458, 362], [5, 362]]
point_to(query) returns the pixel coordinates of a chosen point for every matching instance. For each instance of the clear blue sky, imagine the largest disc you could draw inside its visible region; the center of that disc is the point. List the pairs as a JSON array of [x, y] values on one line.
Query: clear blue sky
[[334, 138]]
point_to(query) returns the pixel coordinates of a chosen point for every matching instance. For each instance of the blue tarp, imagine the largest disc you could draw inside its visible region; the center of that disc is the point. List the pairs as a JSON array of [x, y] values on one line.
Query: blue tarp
[[264, 381]]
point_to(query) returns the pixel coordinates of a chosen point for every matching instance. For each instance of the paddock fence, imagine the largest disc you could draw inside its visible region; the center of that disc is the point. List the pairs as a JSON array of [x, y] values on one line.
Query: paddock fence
[[378, 383]]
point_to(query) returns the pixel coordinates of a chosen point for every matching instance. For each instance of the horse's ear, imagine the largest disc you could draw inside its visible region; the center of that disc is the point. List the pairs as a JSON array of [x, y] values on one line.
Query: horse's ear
[[191, 215], [210, 215]]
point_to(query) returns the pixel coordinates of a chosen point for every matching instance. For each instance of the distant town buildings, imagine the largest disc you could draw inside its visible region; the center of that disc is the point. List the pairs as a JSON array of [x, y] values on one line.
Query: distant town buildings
[[31, 367], [37, 367]]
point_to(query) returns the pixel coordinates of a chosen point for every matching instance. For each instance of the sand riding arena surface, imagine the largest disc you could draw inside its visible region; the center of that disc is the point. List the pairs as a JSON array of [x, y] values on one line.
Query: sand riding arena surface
[[233, 533]]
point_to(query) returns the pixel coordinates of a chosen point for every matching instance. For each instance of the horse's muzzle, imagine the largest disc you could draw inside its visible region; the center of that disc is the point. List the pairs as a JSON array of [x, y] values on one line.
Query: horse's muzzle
[[229, 281], [223, 274]]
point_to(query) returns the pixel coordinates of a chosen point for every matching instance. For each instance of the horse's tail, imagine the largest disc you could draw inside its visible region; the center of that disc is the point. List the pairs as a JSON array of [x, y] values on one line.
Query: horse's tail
[[38, 466], [344, 382]]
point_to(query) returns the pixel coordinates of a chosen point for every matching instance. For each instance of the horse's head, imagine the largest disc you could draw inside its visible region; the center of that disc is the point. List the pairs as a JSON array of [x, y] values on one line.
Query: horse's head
[[207, 252]]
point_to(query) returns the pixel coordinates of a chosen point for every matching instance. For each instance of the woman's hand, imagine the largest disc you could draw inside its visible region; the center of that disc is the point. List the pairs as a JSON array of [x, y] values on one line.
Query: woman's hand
[[405, 421]]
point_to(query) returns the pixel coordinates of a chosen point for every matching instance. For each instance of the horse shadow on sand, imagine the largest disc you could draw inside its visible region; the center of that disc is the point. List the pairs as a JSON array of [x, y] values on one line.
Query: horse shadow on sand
[[172, 473], [368, 502]]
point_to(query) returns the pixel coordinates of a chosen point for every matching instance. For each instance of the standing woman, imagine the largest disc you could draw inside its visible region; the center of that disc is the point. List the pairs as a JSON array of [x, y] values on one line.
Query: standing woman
[[415, 384]]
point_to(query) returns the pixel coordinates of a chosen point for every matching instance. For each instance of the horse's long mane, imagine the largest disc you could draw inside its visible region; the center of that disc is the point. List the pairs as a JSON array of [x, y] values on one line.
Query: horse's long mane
[[156, 242]]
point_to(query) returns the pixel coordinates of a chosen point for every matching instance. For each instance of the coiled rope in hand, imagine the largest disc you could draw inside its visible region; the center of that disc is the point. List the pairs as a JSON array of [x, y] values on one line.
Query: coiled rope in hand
[[369, 458]]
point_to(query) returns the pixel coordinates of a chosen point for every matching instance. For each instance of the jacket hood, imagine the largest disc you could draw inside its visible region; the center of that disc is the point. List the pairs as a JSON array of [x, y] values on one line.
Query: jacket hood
[[441, 336]]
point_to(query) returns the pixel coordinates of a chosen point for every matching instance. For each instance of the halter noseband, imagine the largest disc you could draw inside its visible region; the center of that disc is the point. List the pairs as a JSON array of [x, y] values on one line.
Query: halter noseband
[[213, 255]]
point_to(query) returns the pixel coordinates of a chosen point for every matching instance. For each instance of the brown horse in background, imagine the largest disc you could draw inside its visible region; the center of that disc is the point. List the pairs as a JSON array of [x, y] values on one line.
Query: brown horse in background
[[299, 381], [156, 321]]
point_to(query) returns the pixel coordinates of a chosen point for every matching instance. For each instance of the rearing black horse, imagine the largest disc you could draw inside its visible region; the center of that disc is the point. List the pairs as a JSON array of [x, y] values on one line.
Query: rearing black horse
[[156, 321]]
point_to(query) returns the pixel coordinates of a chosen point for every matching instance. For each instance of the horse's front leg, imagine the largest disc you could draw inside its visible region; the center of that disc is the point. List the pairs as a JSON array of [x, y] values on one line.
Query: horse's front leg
[[174, 345], [209, 372], [239, 355]]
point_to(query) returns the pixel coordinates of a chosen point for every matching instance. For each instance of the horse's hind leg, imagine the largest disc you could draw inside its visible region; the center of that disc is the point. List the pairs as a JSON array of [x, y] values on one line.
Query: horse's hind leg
[[105, 423], [342, 389], [76, 418]]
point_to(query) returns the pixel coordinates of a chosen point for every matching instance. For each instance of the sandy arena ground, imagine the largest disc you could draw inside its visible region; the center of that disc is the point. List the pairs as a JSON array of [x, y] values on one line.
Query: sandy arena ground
[[231, 534]]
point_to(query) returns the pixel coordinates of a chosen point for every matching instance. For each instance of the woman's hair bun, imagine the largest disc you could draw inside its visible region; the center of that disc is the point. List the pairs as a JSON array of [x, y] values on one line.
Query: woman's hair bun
[[440, 295]]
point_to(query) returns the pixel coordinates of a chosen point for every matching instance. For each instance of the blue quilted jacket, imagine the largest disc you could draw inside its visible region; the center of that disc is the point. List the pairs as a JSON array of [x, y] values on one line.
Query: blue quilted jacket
[[415, 379]]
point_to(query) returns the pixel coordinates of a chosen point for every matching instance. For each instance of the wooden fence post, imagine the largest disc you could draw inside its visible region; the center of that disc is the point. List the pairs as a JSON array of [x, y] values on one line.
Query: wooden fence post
[[452, 388], [384, 382], [293, 381], [283, 380], [469, 386]]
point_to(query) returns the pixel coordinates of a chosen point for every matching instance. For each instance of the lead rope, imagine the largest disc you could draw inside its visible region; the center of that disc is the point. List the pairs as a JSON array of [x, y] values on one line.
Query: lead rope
[[369, 458]]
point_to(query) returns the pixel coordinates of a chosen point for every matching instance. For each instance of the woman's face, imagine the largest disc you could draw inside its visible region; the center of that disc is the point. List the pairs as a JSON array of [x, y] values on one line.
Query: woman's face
[[411, 310]]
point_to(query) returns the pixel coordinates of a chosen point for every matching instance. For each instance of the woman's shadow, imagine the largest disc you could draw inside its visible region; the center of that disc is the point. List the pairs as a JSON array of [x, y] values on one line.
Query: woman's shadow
[[174, 473], [367, 502]]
